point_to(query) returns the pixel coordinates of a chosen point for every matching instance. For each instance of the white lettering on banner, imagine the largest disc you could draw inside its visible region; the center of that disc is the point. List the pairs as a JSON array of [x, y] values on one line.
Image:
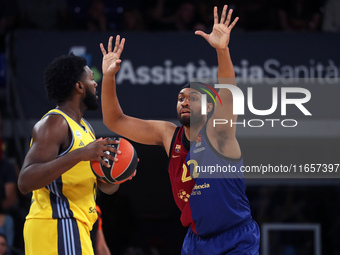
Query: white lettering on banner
[[238, 100], [167, 74], [170, 74]]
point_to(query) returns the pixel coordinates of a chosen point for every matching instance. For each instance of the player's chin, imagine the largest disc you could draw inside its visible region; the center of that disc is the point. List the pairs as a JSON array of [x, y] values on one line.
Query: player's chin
[[184, 120]]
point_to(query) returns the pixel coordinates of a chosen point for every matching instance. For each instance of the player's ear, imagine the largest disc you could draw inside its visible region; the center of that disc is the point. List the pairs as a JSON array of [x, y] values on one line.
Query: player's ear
[[80, 87], [209, 107]]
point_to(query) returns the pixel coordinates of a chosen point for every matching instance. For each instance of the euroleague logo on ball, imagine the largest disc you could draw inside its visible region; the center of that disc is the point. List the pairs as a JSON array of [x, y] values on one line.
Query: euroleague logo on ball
[[121, 170]]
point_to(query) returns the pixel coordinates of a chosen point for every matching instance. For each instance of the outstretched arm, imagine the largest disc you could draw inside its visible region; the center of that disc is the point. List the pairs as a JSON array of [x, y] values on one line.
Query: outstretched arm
[[141, 131], [223, 136], [219, 39]]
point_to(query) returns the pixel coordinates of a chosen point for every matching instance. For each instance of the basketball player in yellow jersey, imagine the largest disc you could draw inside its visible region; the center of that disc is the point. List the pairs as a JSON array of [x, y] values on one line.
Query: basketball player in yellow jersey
[[57, 169]]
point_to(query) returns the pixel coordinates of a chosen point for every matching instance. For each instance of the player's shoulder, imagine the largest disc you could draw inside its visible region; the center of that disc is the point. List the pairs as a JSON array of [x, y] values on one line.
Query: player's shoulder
[[51, 120], [51, 124], [169, 128]]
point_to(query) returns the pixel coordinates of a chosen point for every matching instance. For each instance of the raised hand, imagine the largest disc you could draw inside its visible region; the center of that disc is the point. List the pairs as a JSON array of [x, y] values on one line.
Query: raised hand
[[220, 35], [111, 58]]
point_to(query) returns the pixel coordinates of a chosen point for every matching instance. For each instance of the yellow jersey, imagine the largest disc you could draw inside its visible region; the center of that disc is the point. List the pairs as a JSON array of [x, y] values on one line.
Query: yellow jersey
[[73, 194]]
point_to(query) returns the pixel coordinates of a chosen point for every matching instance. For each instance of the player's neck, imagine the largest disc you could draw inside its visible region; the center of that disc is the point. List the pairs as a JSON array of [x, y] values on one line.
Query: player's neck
[[75, 113], [192, 132]]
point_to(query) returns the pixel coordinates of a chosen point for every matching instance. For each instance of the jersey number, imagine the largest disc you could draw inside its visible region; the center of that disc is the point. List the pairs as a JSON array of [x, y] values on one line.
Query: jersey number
[[186, 178]]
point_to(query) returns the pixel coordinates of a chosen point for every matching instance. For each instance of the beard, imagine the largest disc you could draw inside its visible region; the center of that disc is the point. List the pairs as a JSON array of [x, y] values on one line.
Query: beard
[[191, 120], [90, 101], [185, 121]]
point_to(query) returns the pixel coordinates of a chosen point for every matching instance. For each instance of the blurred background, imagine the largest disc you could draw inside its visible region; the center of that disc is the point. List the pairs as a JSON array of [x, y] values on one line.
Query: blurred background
[[274, 39]]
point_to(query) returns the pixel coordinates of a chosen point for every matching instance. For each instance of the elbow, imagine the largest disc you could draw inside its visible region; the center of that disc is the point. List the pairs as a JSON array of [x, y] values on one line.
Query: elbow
[[23, 188], [112, 123], [112, 189], [109, 124], [108, 189], [106, 122]]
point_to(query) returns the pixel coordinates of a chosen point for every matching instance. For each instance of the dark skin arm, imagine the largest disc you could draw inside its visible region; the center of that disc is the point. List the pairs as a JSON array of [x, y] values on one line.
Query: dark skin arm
[[223, 137], [102, 248], [150, 132], [41, 165]]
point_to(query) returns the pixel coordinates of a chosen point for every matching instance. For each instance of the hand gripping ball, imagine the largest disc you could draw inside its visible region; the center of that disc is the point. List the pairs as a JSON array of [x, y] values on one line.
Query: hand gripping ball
[[120, 171]]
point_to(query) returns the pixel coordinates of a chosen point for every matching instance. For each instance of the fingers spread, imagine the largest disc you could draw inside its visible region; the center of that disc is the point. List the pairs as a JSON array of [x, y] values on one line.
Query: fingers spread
[[215, 15], [223, 16], [109, 45], [104, 163], [117, 63], [102, 49], [118, 47], [201, 33], [110, 141], [121, 46], [233, 23], [116, 44], [229, 17]]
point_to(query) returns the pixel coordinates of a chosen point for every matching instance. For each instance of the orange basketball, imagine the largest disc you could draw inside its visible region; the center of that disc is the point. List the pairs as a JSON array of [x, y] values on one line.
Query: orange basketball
[[121, 170]]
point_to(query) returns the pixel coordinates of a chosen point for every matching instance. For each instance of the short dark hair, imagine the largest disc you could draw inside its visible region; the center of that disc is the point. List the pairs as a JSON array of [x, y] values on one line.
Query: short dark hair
[[61, 75], [203, 88]]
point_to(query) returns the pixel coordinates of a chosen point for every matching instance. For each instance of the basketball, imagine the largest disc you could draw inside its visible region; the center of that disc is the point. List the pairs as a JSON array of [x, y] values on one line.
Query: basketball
[[121, 170]]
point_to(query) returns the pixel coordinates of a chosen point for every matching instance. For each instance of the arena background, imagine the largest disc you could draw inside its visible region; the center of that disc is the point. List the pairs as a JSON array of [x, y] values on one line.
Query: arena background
[[142, 214]]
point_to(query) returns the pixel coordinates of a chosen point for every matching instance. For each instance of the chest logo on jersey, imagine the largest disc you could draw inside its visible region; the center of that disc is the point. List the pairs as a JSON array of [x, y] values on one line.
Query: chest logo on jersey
[[78, 134], [198, 144], [178, 148], [198, 141]]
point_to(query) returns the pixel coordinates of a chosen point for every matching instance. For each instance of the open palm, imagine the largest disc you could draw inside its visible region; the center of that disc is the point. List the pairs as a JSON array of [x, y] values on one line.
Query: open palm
[[220, 35], [111, 58]]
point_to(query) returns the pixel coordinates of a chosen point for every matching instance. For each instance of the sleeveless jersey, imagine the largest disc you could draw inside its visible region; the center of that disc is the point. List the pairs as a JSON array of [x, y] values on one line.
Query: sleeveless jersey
[[210, 203], [73, 194]]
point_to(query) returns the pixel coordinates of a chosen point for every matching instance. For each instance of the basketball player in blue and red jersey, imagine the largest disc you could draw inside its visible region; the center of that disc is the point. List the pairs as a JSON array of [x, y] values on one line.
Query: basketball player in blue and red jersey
[[57, 166], [216, 210]]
